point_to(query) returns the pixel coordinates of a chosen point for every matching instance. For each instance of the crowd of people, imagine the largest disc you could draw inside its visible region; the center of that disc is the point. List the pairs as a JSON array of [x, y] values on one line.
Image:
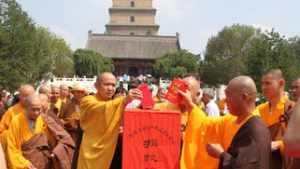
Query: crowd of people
[[64, 127]]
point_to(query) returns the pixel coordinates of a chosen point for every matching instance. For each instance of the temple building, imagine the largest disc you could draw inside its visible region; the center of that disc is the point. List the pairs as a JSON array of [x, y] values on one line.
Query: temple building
[[132, 38]]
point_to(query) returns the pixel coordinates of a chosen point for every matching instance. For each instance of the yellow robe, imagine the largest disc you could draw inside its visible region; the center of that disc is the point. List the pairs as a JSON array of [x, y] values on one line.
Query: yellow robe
[[202, 130], [18, 133], [271, 118], [5, 123], [8, 116], [100, 122]]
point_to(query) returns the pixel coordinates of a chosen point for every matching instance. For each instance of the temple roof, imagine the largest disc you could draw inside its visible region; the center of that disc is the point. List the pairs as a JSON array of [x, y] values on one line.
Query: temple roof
[[132, 46]]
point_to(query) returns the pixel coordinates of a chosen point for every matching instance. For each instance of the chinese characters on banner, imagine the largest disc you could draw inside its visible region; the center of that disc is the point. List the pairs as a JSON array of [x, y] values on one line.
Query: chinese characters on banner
[[151, 139]]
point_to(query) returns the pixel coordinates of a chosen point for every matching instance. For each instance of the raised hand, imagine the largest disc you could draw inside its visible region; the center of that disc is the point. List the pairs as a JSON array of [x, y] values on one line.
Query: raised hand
[[187, 99], [134, 94]]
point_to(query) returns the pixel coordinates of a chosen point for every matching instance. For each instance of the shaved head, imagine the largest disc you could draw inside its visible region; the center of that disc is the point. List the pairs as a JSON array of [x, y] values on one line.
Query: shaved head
[[33, 106], [243, 84], [45, 89], [295, 90], [275, 73], [272, 84], [55, 93], [194, 86], [34, 98], [240, 95], [105, 75], [44, 101], [64, 91], [25, 90], [106, 85], [64, 86], [54, 88]]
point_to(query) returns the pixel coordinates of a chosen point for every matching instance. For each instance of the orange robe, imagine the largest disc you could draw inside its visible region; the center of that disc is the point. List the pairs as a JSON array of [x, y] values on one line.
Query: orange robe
[[8, 116], [202, 130], [272, 117]]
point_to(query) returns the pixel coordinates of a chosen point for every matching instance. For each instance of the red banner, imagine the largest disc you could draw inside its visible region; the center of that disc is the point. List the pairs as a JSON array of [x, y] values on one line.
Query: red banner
[[151, 139]]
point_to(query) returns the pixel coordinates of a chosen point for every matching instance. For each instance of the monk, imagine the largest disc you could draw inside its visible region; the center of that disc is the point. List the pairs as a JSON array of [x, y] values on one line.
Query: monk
[[45, 89], [274, 113], [70, 113], [55, 100], [237, 140], [295, 90], [64, 93], [292, 135], [24, 90], [100, 121], [26, 131], [61, 143], [190, 147]]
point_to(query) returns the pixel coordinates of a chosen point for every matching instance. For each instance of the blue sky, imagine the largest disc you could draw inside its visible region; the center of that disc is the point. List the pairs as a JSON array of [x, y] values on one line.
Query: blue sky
[[195, 20]]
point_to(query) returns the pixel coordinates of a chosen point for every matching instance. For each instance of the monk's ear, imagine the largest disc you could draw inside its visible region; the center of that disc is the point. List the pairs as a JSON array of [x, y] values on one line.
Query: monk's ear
[[246, 96], [96, 84], [282, 82]]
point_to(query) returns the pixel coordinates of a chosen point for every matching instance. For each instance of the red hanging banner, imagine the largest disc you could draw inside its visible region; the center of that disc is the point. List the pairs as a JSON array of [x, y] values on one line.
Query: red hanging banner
[[151, 139]]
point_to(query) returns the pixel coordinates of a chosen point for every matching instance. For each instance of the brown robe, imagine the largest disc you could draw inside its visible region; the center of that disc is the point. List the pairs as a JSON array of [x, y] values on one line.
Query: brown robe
[[250, 147], [37, 151], [64, 147], [70, 124], [277, 130]]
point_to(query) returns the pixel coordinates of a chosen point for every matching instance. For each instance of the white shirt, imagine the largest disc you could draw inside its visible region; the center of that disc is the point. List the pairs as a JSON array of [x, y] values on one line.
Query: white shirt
[[212, 109]]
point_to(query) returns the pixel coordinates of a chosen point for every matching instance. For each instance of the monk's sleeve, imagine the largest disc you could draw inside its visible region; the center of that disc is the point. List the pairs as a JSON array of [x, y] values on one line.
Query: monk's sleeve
[[93, 104], [14, 151], [246, 156], [91, 107], [199, 122], [200, 130]]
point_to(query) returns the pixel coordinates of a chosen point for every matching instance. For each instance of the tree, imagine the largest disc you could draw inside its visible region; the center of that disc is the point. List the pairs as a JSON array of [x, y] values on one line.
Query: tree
[[89, 63], [225, 54], [17, 33], [272, 51], [176, 64], [27, 51]]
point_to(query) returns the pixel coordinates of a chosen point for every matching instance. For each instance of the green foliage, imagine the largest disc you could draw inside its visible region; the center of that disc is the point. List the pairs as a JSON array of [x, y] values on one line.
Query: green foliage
[[271, 51], [225, 54], [242, 49], [27, 51], [89, 63], [176, 64]]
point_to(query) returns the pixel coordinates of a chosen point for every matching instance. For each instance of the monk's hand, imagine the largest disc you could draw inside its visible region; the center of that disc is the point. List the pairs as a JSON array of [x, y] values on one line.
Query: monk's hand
[[214, 150], [275, 145], [134, 94], [187, 99]]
